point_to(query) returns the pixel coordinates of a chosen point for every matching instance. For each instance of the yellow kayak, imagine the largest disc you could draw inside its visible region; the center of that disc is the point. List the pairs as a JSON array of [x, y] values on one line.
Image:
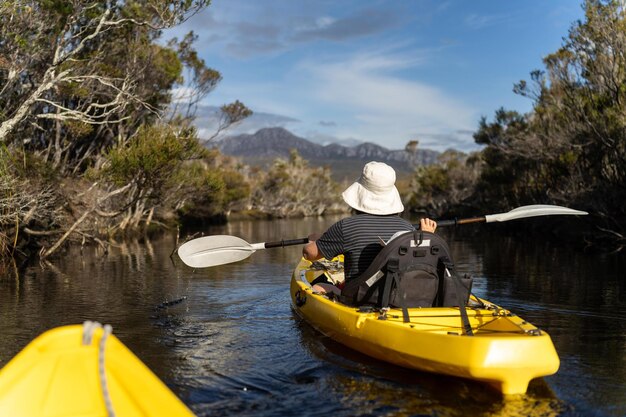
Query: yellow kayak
[[505, 351], [59, 374]]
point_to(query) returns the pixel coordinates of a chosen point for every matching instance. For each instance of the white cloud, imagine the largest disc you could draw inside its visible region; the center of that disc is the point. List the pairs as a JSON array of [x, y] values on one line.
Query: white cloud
[[386, 108], [324, 21]]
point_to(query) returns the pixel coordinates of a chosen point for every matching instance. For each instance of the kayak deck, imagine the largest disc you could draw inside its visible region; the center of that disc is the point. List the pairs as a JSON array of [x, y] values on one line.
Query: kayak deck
[[58, 374], [505, 351]]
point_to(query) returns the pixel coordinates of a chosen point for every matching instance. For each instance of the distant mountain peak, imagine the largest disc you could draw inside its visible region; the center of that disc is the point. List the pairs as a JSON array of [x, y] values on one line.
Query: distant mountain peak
[[269, 143]]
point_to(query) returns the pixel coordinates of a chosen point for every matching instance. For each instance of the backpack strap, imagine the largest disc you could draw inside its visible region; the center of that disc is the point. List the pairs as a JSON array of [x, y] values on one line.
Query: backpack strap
[[449, 269], [393, 267], [418, 236]]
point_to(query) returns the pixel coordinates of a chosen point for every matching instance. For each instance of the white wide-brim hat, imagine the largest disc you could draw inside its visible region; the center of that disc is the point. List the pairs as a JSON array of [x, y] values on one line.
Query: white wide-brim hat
[[375, 191]]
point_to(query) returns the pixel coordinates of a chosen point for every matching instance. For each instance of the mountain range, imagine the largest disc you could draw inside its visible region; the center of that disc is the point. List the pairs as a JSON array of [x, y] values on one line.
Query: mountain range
[[345, 162]]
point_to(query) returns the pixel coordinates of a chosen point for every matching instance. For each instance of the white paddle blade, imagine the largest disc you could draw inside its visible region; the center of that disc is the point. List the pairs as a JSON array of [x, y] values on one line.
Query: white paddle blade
[[214, 250], [532, 211]]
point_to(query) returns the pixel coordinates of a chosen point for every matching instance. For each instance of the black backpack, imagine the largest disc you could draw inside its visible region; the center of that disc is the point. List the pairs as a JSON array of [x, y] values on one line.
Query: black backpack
[[414, 269]]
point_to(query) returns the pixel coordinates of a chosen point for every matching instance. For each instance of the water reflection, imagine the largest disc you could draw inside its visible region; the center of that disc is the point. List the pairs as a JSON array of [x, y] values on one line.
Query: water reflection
[[121, 287], [371, 387], [225, 338]]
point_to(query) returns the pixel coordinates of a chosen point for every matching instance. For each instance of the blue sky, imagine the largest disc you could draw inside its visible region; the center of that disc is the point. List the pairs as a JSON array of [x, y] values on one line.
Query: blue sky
[[381, 71]]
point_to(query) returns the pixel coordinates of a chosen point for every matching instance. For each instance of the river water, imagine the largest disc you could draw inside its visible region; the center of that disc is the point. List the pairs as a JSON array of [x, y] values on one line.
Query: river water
[[226, 341]]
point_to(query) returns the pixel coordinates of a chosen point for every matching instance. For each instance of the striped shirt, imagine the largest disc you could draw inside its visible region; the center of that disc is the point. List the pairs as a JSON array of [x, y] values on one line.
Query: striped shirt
[[359, 239]]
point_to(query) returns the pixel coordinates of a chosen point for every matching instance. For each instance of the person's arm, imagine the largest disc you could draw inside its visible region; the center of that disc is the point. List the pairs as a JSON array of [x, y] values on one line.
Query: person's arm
[[310, 251], [428, 225], [330, 244]]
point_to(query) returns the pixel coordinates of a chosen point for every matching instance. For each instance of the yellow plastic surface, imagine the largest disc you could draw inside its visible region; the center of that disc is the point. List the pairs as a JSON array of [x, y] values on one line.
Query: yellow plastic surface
[[57, 376], [506, 352]]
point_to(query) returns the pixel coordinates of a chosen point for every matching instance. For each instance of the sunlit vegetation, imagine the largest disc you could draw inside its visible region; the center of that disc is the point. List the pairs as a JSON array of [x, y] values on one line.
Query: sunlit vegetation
[[95, 139], [446, 187], [291, 187]]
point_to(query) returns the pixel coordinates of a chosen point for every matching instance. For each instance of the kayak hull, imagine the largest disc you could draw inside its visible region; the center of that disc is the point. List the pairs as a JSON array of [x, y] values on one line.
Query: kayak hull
[[505, 352], [58, 375]]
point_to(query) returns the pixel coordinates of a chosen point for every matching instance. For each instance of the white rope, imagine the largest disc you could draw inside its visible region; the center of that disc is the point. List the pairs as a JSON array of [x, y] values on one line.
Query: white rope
[[88, 329]]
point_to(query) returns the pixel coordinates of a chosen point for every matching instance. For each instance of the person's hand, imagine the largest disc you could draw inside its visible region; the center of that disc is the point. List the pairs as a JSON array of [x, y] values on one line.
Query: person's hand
[[428, 225]]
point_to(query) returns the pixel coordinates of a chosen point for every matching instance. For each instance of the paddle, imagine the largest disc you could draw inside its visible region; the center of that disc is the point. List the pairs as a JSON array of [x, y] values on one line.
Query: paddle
[[224, 249], [518, 213]]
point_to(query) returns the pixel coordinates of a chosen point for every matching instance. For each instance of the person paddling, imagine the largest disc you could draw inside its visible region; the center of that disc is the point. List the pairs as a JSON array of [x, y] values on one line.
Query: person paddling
[[376, 206]]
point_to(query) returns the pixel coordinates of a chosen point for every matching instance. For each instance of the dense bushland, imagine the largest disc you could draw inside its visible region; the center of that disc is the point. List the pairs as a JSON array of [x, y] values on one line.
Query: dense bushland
[[569, 150], [95, 138]]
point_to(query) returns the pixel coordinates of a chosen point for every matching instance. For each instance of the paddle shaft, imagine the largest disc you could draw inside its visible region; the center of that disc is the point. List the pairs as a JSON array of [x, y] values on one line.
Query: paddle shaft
[[283, 243], [458, 222]]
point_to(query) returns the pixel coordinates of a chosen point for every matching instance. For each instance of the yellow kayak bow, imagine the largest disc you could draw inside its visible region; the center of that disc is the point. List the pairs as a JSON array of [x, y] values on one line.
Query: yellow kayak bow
[[84, 371]]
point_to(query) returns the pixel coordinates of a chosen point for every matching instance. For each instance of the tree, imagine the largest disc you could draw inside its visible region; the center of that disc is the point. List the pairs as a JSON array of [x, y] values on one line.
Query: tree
[[292, 188], [199, 79], [84, 88], [76, 67], [571, 149], [24, 203], [580, 100], [515, 161], [446, 186], [411, 148]]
